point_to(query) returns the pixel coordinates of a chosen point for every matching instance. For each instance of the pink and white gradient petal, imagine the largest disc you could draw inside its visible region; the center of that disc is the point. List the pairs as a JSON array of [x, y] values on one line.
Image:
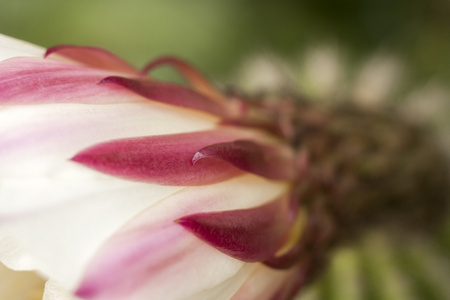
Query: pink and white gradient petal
[[92, 211], [29, 80], [153, 252], [41, 139]]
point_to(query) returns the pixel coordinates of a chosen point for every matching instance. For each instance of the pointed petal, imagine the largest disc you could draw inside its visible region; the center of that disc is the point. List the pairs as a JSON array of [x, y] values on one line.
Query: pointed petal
[[11, 47], [273, 162], [169, 93], [199, 82], [152, 254], [164, 159], [250, 235], [34, 80], [93, 57]]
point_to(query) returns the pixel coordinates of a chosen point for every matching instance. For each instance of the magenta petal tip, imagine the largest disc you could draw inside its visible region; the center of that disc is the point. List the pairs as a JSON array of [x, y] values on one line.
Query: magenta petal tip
[[250, 235]]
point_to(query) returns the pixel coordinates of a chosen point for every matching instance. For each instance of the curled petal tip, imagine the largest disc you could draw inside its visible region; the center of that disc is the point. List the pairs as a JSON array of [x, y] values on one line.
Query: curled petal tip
[[197, 156], [264, 160], [93, 57], [54, 49], [197, 80], [109, 79]]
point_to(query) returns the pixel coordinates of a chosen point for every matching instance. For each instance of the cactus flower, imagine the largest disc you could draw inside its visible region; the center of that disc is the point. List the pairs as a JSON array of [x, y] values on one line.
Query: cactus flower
[[118, 186], [114, 185]]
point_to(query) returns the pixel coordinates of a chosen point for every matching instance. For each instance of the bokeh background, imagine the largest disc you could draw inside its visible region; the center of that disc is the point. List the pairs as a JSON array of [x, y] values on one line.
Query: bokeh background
[[219, 36]]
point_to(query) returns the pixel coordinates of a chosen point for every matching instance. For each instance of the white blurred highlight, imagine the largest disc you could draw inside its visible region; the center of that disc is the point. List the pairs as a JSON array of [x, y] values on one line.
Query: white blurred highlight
[[321, 73], [377, 81]]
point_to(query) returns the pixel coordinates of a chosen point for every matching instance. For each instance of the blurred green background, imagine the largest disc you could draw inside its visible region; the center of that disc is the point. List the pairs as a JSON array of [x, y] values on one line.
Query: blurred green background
[[218, 35]]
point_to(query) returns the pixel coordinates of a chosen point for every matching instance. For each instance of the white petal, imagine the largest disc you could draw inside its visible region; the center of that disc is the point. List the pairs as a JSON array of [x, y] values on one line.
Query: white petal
[[11, 47], [54, 292]]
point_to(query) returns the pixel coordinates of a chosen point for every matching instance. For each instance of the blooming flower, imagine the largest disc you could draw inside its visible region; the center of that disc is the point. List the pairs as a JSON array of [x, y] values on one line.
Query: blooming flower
[[117, 186], [114, 185]]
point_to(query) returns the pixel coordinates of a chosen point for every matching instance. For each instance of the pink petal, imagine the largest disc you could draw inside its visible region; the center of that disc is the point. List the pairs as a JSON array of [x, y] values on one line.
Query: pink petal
[[199, 82], [34, 80], [164, 159], [169, 93], [250, 235], [273, 162], [93, 57]]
